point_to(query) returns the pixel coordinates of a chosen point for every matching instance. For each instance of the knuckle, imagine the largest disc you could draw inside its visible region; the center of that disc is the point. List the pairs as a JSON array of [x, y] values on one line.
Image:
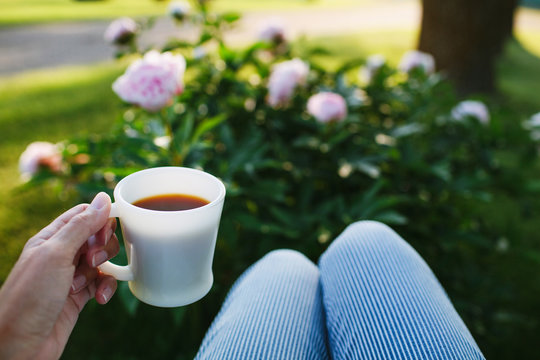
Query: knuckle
[[52, 252], [82, 219]]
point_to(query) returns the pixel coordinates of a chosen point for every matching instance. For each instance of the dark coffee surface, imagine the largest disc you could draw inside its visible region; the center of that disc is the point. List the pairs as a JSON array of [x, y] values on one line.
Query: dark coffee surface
[[171, 202]]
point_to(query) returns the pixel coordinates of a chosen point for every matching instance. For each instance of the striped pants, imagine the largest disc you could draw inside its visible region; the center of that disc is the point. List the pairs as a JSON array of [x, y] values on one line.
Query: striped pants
[[371, 297]]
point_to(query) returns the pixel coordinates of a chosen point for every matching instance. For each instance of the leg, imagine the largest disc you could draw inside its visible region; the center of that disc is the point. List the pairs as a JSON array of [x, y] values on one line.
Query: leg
[[274, 311], [383, 302]]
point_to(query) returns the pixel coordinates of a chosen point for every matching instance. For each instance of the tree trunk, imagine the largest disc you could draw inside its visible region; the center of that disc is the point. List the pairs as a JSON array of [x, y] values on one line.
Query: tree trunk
[[465, 37]]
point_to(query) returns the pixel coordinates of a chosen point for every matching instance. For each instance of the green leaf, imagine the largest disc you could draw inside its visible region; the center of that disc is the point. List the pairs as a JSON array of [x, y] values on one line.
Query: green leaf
[[178, 315], [350, 65], [367, 168], [207, 125], [407, 130], [283, 216], [442, 170], [205, 36], [184, 131], [391, 217], [231, 17]]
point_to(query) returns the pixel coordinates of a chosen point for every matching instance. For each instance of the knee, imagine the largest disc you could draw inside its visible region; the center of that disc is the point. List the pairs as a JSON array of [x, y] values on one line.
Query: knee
[[277, 268], [285, 263], [369, 226], [276, 258], [365, 237]]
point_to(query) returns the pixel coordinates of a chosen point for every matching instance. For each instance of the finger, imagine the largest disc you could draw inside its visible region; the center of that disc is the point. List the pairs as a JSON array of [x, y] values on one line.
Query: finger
[[101, 238], [105, 288], [56, 225], [82, 297], [81, 252], [98, 255], [81, 226], [98, 241], [83, 276]]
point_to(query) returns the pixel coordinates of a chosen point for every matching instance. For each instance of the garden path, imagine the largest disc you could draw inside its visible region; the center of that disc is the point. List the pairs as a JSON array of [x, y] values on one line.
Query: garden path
[[43, 46], [50, 45]]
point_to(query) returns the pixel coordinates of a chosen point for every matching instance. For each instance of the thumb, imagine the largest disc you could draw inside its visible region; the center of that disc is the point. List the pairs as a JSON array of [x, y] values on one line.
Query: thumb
[[81, 226]]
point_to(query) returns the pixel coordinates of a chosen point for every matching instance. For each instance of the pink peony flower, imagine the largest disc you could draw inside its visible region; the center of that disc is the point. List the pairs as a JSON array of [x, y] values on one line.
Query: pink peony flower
[[373, 64], [273, 31], [476, 109], [121, 31], [39, 154], [179, 9], [327, 106], [415, 59], [153, 81], [284, 79]]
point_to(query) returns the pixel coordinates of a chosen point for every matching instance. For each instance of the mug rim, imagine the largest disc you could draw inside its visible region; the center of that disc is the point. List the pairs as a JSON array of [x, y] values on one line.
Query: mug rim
[[219, 199]]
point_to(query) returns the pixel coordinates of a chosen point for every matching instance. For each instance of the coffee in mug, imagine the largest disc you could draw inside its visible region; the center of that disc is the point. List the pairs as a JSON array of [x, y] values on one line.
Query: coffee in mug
[[171, 202]]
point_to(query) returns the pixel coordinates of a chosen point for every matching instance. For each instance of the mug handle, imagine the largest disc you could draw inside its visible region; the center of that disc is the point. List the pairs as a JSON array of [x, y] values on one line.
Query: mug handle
[[122, 273]]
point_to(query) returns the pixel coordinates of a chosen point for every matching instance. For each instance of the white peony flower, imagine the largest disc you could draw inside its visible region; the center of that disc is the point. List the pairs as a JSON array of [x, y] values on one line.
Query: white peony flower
[[471, 108], [373, 64], [121, 31], [533, 122], [415, 59]]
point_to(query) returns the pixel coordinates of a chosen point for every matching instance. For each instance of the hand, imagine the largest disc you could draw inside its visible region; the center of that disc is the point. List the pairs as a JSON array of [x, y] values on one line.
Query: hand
[[54, 278]]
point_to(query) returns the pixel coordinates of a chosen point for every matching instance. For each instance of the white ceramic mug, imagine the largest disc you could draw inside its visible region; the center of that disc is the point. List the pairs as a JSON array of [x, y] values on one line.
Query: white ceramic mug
[[169, 253]]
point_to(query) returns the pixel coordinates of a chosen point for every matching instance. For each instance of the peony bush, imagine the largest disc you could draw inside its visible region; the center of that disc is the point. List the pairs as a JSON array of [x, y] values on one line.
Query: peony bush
[[303, 150]]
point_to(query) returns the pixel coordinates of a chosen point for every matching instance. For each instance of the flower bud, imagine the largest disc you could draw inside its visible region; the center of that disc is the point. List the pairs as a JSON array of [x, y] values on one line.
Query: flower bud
[[179, 9], [121, 31], [272, 31]]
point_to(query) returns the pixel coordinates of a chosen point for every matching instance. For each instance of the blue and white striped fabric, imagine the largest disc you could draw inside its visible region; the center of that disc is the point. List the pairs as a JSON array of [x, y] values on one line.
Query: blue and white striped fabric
[[372, 297], [382, 301], [274, 311]]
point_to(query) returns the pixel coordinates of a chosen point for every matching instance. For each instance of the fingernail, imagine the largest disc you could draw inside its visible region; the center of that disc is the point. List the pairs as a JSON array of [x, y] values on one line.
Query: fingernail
[[100, 201], [106, 294], [109, 236], [78, 282], [99, 258]]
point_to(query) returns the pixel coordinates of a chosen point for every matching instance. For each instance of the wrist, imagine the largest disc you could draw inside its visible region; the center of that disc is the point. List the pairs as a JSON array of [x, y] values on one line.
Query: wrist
[[14, 342]]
